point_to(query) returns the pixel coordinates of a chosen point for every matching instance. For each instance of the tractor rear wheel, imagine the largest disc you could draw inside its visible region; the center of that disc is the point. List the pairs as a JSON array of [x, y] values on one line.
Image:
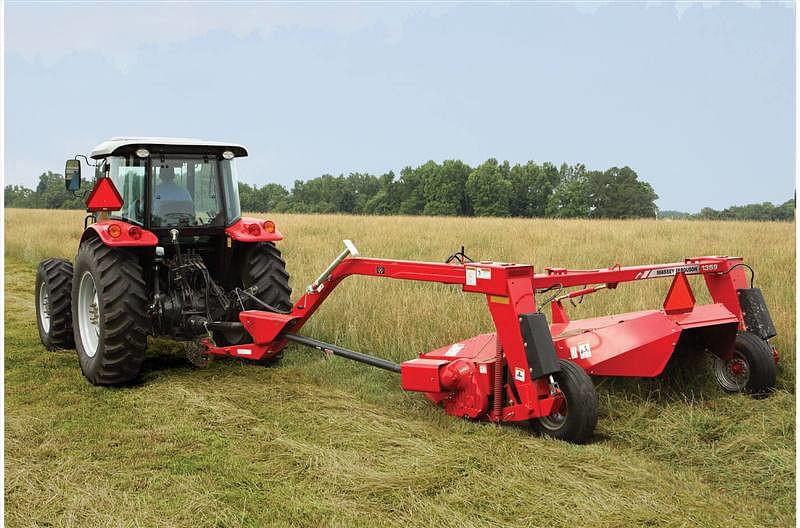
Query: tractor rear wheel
[[751, 369], [53, 312], [263, 267], [575, 420], [109, 313]]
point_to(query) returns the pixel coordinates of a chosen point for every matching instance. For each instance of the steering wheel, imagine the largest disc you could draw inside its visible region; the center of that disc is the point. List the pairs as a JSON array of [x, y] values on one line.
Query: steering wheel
[[179, 216]]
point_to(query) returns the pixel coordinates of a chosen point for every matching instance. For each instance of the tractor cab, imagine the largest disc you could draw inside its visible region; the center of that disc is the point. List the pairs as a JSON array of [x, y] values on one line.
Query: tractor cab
[[167, 183]]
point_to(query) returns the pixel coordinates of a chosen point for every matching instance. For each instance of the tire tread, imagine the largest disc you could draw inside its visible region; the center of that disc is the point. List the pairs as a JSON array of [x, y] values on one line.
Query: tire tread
[[125, 326], [55, 274]]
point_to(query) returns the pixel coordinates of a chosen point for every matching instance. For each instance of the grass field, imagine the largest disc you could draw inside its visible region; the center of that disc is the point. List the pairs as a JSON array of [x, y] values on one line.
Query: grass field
[[317, 442]]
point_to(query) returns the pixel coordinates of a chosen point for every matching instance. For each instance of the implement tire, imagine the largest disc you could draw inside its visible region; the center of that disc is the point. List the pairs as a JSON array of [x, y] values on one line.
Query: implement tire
[[109, 313], [750, 370], [53, 310], [576, 422]]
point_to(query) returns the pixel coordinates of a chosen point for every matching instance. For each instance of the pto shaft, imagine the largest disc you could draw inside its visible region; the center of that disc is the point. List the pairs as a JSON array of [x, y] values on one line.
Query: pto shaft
[[344, 352]]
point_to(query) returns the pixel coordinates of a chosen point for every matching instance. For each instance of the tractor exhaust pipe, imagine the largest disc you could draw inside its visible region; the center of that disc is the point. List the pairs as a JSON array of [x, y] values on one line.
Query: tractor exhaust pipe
[[344, 352]]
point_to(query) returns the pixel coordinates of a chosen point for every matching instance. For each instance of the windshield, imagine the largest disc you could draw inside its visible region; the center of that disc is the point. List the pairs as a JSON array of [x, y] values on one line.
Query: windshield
[[185, 191]]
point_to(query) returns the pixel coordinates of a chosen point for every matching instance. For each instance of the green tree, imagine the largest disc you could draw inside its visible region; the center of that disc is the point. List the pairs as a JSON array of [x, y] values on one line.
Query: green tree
[[271, 197], [247, 197], [618, 193], [570, 198], [387, 200], [533, 186], [18, 196], [786, 210], [444, 187], [489, 189], [363, 187], [411, 191]]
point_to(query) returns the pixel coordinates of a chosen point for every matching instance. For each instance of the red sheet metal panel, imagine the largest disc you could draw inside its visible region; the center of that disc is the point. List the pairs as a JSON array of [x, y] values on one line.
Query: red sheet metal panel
[[421, 375]]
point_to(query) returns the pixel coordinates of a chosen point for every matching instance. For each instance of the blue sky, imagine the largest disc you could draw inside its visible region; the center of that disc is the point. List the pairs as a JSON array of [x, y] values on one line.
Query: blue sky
[[698, 98]]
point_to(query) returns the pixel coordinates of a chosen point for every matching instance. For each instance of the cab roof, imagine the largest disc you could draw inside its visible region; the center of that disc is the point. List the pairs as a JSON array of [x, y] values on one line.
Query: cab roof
[[124, 145]]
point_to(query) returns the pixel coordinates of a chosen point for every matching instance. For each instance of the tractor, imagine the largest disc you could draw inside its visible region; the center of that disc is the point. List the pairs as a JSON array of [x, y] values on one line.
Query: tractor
[[165, 251]]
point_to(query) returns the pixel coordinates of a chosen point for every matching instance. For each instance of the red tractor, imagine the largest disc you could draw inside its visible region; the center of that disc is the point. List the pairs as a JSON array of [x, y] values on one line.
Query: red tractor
[[165, 250]]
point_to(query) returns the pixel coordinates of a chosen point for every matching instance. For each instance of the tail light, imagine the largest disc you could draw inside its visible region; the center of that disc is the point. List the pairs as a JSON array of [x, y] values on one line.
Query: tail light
[[269, 226], [135, 232], [114, 230], [253, 229]]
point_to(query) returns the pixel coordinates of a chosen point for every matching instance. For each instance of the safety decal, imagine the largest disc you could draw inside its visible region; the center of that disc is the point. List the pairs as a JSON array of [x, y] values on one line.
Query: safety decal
[[484, 273], [584, 350], [519, 374], [244, 351], [573, 352], [482, 369], [454, 349], [472, 277]]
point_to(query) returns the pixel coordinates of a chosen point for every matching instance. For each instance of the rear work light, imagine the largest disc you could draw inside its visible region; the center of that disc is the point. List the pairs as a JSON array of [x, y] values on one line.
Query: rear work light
[[135, 232], [114, 230], [253, 229], [269, 226]]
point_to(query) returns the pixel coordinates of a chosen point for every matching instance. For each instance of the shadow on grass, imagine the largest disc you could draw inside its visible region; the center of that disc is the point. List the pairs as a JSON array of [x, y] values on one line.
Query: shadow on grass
[[688, 376], [163, 356]]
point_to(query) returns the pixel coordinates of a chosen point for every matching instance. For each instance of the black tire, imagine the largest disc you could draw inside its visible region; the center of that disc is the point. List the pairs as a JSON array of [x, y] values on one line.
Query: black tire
[[53, 311], [263, 267], [752, 368], [120, 313], [580, 419]]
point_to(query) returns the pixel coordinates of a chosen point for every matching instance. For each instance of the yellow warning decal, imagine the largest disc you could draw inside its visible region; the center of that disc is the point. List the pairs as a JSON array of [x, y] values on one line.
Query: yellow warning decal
[[498, 299]]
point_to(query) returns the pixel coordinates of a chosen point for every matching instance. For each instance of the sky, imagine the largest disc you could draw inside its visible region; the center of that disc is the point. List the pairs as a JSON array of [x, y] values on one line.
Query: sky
[[696, 97]]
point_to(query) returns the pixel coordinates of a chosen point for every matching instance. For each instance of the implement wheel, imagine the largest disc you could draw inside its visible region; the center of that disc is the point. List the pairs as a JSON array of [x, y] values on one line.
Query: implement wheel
[[53, 311], [751, 369], [575, 420], [109, 313]]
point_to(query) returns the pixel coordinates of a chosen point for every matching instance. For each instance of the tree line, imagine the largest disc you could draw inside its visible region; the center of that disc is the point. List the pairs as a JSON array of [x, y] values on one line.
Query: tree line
[[764, 211], [453, 188], [450, 188]]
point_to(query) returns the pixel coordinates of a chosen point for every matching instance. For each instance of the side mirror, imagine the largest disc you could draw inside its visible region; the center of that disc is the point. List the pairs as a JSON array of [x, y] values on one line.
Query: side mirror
[[72, 175]]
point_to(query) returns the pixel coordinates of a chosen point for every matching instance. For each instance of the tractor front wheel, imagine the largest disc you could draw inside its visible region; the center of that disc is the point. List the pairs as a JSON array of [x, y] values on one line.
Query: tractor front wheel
[[53, 312], [576, 417], [751, 369], [109, 313]]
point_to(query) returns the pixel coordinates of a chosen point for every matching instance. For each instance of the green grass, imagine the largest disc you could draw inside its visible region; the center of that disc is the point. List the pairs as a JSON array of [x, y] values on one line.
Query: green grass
[[317, 442]]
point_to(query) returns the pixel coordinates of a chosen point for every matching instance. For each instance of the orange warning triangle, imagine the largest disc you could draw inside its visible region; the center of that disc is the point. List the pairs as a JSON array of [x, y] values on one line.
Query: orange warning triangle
[[104, 197], [680, 297]]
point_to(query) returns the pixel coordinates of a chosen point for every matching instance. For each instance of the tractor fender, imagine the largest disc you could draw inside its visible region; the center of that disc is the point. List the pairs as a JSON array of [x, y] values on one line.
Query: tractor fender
[[125, 238], [248, 229]]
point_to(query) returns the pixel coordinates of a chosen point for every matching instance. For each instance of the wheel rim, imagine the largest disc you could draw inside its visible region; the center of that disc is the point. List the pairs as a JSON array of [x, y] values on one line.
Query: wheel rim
[[44, 309], [88, 314], [555, 420], [734, 373]]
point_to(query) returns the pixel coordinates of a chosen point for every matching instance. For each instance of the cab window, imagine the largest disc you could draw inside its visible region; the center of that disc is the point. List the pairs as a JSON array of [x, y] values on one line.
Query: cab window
[[128, 175]]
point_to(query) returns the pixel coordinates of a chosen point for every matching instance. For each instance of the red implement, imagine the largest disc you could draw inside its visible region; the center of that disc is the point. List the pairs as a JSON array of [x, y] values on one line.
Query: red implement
[[523, 371]]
